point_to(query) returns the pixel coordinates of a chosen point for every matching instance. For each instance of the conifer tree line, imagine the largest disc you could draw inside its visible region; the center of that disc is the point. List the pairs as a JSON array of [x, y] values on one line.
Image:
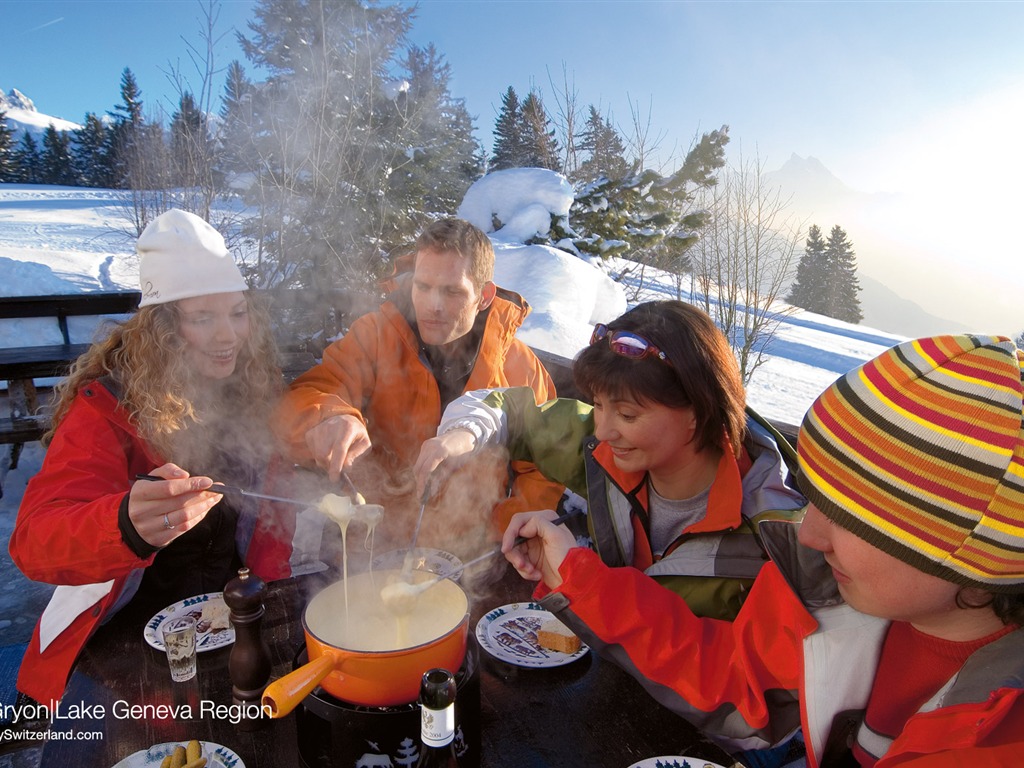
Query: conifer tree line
[[826, 277]]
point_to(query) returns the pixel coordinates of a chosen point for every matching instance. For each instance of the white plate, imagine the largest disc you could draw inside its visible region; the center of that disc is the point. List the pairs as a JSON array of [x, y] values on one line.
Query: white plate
[[216, 755], [675, 761], [509, 633], [424, 559], [205, 641]]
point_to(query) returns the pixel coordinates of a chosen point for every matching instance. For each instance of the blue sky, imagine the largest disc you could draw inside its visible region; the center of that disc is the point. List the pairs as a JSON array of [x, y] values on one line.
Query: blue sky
[[830, 79], [925, 99]]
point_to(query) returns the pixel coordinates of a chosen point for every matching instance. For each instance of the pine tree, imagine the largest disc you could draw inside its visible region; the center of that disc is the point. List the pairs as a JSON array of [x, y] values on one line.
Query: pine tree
[[538, 135], [191, 147], [443, 158], [56, 157], [131, 110], [328, 129], [842, 284], [87, 153], [509, 141], [647, 215], [234, 140], [808, 290], [28, 161], [8, 170], [122, 148], [606, 154]]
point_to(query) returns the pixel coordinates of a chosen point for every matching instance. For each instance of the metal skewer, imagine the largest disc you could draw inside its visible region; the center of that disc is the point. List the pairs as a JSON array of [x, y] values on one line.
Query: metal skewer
[[409, 556], [221, 488], [357, 497], [423, 585]]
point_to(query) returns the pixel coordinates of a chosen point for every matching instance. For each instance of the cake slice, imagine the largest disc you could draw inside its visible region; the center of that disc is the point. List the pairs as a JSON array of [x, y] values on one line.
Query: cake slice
[[555, 636]]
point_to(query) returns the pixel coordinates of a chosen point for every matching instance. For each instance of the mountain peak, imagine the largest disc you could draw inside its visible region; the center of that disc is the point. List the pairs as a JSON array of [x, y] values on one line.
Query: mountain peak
[[22, 116], [15, 99], [806, 165]]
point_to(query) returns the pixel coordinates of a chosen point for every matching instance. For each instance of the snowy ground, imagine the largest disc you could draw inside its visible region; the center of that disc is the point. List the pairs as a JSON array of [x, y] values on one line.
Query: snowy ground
[[67, 240]]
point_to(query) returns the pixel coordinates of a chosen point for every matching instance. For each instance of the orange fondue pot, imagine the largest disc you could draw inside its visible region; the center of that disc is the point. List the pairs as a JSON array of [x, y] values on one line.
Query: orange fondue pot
[[361, 652]]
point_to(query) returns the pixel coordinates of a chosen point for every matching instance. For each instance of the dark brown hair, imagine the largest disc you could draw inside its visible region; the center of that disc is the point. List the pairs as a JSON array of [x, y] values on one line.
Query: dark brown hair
[[448, 235], [701, 372], [1009, 608]]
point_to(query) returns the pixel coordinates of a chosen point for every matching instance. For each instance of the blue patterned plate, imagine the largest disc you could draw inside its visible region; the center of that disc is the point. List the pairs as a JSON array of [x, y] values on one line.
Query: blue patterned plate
[[206, 640], [217, 756], [509, 633]]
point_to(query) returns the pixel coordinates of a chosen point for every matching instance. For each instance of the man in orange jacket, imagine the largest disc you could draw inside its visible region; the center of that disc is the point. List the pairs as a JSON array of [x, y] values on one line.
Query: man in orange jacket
[[444, 330]]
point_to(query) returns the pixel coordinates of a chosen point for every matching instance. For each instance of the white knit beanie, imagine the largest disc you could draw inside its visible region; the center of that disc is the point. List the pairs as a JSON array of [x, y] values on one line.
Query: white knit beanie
[[182, 256]]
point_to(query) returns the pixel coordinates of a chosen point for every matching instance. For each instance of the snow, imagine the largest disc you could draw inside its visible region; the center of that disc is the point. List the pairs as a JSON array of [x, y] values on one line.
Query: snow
[[394, 88], [522, 199], [571, 297], [70, 240]]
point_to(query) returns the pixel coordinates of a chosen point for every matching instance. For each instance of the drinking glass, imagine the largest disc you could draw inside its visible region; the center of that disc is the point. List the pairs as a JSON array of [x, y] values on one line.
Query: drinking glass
[[179, 636]]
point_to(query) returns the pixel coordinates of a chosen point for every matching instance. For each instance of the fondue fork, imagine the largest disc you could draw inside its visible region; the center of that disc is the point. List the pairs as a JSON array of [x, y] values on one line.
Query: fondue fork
[[423, 585], [518, 540], [221, 488], [357, 497], [410, 553]]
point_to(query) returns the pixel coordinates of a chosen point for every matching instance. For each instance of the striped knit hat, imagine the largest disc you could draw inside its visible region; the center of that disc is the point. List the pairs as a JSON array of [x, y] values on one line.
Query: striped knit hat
[[920, 452]]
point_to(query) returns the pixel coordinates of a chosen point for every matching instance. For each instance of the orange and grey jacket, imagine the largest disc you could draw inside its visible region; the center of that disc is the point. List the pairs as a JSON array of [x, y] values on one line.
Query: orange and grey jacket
[[375, 372]]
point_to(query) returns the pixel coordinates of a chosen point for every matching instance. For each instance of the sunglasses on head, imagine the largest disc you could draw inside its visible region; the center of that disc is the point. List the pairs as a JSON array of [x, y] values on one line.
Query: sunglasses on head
[[627, 344]]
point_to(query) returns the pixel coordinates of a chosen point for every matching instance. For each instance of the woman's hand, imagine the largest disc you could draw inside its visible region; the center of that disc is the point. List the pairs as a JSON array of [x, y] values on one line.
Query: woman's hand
[[541, 556], [436, 450], [163, 510]]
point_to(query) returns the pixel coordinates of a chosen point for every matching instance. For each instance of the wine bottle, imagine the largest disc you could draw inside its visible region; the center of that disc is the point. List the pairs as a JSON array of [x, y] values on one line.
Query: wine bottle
[[437, 720]]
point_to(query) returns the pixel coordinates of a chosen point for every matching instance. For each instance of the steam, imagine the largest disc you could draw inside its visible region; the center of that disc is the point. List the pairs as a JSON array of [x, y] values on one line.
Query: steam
[[458, 519]]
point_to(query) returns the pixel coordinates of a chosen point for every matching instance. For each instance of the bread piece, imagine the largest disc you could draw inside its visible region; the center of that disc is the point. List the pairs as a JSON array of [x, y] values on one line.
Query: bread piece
[[555, 636], [216, 613]]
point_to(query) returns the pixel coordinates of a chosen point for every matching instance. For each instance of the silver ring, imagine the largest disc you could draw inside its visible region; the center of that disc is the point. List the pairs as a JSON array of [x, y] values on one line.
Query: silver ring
[[167, 524]]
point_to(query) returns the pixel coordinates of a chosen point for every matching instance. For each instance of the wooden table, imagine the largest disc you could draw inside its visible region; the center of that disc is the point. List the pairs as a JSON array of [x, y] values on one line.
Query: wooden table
[[587, 713]]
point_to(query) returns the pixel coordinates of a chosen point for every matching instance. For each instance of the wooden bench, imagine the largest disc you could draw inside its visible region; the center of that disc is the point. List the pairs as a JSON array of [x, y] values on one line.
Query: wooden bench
[[21, 366]]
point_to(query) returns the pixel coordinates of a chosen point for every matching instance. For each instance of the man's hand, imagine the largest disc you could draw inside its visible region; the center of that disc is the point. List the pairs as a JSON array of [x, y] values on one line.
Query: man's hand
[[436, 450], [336, 442]]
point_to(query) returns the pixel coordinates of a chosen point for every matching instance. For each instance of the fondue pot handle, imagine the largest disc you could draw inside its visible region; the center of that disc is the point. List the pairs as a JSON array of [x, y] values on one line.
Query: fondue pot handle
[[285, 693]]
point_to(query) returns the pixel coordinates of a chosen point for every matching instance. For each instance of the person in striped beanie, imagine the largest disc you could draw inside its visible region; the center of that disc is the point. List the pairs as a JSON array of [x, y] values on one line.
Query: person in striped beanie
[[920, 453], [888, 626]]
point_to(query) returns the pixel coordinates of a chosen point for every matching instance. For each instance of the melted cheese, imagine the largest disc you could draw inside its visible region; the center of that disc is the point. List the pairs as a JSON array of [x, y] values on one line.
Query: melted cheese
[[372, 627]]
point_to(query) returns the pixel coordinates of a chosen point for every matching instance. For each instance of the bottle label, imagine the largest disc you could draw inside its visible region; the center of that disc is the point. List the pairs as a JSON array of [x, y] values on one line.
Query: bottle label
[[437, 726]]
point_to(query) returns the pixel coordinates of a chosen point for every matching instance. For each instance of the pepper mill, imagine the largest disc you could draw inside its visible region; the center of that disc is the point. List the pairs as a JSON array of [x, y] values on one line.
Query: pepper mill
[[249, 660]]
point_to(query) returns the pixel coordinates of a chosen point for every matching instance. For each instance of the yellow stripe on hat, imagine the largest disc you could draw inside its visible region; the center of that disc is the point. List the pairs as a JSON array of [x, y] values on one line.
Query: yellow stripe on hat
[[930, 426]]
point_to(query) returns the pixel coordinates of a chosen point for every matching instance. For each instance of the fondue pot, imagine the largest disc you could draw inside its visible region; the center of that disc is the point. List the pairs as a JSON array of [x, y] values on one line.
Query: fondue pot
[[362, 653]]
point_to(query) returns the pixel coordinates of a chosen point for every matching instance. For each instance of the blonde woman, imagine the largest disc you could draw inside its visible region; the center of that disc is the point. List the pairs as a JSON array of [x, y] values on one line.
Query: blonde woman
[[180, 391]]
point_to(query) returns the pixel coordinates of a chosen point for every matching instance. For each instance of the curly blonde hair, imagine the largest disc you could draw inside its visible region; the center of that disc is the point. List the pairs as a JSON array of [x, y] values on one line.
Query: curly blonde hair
[[158, 389]]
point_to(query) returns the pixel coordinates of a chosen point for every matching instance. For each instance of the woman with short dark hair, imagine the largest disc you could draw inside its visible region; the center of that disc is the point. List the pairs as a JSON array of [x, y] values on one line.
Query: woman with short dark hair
[[675, 475]]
